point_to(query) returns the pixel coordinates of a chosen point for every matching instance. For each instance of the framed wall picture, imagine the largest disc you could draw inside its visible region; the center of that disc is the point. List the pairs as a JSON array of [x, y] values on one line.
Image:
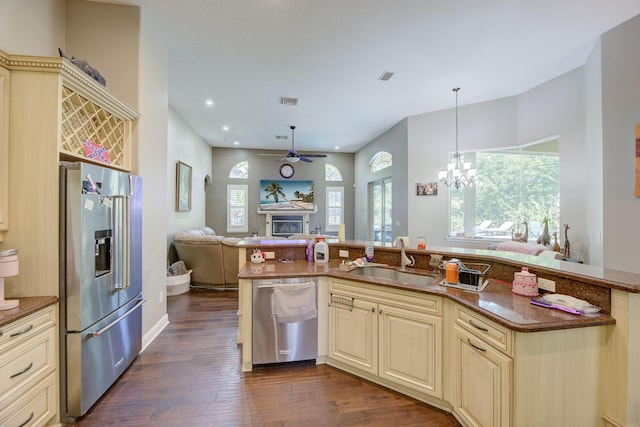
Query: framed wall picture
[[426, 189], [183, 187]]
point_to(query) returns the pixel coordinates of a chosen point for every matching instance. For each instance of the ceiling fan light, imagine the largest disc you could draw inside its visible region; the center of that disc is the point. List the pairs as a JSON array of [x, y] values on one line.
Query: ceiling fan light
[[293, 159]]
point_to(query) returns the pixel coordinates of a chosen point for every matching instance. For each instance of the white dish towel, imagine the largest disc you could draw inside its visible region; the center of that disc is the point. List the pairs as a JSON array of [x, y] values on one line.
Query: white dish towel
[[294, 302]]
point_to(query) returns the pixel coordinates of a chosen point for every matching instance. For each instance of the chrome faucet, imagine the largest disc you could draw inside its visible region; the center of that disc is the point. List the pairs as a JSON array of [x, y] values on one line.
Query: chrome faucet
[[405, 261]]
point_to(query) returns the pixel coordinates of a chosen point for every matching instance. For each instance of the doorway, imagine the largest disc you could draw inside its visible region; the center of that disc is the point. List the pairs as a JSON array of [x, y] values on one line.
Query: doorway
[[380, 210]]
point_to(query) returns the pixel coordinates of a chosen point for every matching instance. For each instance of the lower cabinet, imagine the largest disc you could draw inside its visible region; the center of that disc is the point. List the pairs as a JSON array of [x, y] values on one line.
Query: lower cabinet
[[502, 378], [28, 365], [448, 355], [390, 337], [482, 381]]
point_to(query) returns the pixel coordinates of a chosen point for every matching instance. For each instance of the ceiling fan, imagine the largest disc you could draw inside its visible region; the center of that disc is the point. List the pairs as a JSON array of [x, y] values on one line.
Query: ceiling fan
[[292, 155]]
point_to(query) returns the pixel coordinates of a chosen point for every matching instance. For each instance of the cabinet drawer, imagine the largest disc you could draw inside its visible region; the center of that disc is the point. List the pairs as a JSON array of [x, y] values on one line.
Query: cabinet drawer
[[496, 335], [421, 302], [35, 407], [26, 327], [26, 360]]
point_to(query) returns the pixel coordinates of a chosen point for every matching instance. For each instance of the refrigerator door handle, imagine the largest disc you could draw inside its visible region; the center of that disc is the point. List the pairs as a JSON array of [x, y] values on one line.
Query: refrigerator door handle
[[118, 320], [122, 240]]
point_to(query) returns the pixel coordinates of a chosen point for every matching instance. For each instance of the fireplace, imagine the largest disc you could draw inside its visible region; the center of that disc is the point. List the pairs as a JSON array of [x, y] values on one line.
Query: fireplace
[[284, 224]]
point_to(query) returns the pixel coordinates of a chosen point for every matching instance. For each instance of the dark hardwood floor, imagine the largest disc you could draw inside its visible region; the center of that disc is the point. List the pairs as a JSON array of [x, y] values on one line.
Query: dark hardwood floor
[[190, 376]]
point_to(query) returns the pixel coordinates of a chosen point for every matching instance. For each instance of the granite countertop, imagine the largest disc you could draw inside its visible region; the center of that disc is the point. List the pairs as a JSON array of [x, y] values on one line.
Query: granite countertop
[[496, 302], [28, 305]]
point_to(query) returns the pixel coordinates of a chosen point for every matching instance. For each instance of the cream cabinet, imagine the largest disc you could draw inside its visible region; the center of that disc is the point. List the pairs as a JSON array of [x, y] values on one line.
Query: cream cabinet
[[353, 331], [56, 111], [482, 374], [28, 370], [5, 88], [389, 336], [500, 377]]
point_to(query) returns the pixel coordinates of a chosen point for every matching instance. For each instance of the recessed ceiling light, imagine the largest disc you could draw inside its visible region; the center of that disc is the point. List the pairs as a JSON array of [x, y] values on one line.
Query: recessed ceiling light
[[385, 76], [209, 102], [236, 143], [225, 128], [336, 147]]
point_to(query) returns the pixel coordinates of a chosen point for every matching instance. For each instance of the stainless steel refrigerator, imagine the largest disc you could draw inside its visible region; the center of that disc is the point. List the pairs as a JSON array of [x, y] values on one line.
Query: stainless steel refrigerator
[[100, 281]]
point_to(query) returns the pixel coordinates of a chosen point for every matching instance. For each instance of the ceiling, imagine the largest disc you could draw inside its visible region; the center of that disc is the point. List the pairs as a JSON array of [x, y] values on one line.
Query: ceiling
[[247, 54]]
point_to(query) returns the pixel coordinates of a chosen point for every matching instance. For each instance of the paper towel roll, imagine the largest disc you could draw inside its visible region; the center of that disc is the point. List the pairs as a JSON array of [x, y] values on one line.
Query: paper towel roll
[[340, 232]]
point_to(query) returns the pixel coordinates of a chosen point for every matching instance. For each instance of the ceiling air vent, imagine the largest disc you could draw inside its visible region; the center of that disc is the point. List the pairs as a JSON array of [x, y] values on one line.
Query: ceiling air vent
[[288, 101], [282, 137], [385, 76]]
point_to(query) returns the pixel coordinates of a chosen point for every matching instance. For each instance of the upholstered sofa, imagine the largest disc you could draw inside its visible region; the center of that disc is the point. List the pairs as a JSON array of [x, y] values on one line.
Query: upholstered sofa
[[213, 258]]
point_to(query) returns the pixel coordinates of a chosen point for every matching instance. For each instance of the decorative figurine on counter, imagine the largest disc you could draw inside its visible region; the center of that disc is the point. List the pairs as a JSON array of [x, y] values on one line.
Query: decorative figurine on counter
[[566, 254], [519, 237], [258, 256], [544, 238], [556, 246]]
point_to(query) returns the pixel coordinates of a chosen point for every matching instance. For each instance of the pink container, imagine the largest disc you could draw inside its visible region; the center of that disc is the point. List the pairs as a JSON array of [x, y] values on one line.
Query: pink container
[[525, 283]]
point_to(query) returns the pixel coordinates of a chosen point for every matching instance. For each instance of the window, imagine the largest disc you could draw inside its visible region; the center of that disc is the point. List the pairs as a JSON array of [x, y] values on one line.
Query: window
[[332, 173], [240, 170], [512, 186], [335, 207], [237, 208], [380, 161]]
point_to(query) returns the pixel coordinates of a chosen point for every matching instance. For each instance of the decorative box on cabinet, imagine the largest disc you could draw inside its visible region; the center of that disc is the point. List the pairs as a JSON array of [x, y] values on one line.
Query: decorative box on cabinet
[[28, 365], [393, 338]]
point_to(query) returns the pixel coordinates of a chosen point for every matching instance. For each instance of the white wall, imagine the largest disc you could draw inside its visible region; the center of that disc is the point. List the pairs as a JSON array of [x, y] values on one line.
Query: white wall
[[152, 159], [186, 146], [393, 141], [594, 155], [620, 113], [32, 27]]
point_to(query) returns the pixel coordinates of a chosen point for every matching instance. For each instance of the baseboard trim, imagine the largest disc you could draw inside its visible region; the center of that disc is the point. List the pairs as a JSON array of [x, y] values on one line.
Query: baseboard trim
[[154, 331]]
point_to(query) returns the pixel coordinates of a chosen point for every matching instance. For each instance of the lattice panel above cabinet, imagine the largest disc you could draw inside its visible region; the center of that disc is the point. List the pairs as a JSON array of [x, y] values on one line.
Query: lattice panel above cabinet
[[83, 120]]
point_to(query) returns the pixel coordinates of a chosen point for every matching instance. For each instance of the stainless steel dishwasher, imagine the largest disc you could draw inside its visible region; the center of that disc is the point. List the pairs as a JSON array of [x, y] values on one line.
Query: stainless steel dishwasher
[[278, 340]]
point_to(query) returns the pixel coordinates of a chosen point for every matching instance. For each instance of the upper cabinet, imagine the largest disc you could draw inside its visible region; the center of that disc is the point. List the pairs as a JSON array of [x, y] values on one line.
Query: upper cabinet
[[57, 112], [5, 89]]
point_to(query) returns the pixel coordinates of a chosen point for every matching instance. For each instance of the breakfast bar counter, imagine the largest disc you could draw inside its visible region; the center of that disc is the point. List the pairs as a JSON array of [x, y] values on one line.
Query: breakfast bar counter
[[496, 302]]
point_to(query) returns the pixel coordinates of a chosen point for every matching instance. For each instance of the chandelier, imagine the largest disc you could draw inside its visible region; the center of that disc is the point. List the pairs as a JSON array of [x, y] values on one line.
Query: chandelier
[[458, 172]]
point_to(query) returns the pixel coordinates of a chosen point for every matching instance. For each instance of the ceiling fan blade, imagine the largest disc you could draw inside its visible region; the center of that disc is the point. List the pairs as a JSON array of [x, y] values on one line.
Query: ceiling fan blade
[[314, 155], [304, 159]]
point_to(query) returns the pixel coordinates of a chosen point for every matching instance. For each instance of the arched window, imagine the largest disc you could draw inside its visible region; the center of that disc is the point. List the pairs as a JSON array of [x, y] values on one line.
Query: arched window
[[240, 170], [332, 173], [379, 161]]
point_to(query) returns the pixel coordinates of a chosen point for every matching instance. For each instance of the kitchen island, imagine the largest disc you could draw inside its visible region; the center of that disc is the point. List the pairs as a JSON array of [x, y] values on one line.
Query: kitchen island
[[491, 358]]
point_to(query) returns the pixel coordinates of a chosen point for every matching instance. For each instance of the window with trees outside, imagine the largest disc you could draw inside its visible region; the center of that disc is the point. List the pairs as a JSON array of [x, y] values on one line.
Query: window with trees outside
[[513, 186]]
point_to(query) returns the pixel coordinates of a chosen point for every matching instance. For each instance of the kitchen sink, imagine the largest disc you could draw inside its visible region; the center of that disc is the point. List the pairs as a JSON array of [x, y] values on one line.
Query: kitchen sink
[[394, 275]]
